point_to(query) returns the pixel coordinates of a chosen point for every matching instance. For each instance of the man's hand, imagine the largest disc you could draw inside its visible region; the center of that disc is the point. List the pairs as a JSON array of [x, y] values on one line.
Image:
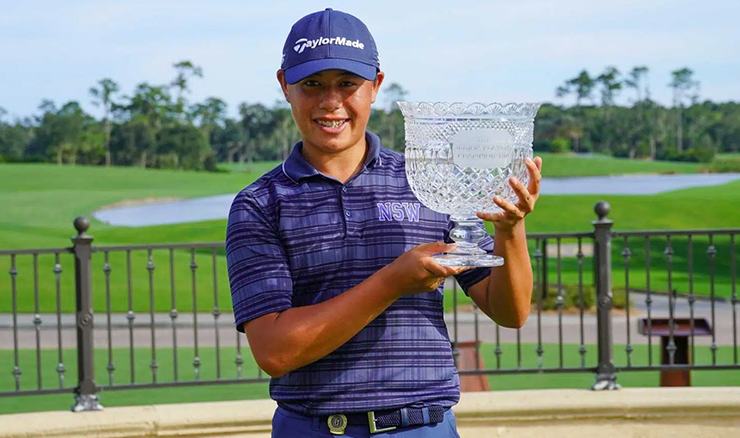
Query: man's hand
[[512, 215], [416, 272]]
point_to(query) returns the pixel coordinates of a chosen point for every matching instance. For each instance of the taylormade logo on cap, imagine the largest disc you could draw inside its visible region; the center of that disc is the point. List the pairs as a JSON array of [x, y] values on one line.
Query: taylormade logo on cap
[[329, 40], [303, 43]]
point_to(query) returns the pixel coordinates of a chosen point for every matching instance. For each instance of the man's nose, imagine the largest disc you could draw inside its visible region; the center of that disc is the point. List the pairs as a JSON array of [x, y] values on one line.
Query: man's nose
[[331, 99]]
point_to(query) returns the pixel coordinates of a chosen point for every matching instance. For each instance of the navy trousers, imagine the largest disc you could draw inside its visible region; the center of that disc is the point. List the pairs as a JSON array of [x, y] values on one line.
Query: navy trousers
[[286, 424]]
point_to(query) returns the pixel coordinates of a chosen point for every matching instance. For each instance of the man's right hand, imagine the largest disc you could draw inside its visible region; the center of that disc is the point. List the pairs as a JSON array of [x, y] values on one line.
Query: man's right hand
[[415, 271]]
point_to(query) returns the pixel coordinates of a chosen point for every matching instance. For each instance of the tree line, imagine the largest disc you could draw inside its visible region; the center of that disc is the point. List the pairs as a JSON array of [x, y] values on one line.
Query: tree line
[[157, 126], [688, 130]]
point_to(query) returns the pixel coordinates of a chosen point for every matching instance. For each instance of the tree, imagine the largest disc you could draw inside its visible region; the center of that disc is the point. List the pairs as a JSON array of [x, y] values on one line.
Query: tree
[[257, 121], [582, 86], [103, 96], [151, 104], [14, 138], [147, 127], [209, 114], [394, 93], [185, 71], [130, 140], [228, 141], [635, 80], [684, 86], [66, 133], [285, 131], [610, 86], [181, 146]]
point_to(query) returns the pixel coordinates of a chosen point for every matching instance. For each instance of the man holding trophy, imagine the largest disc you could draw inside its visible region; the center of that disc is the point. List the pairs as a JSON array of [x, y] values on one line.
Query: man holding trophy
[[337, 258]]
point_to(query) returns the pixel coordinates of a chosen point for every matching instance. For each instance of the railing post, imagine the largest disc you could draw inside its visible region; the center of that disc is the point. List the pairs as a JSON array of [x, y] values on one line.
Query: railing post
[[544, 284], [606, 377], [86, 398]]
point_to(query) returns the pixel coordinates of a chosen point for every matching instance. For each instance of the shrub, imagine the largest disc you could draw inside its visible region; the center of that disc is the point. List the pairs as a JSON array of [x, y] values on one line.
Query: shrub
[[723, 165], [209, 163], [559, 145], [693, 155], [26, 159]]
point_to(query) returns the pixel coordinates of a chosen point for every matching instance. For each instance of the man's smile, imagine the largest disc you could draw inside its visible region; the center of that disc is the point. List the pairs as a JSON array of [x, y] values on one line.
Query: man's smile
[[334, 124]]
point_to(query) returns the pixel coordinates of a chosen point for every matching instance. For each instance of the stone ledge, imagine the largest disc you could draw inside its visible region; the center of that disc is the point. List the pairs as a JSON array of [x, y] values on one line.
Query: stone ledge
[[204, 420], [633, 412], [586, 404]]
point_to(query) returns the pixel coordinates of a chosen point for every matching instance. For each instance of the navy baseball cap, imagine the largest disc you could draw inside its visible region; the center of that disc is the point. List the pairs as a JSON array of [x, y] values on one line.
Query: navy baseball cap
[[329, 40]]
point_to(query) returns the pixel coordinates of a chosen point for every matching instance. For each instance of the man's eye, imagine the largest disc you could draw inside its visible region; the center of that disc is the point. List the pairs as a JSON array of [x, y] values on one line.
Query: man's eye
[[311, 83], [348, 84]]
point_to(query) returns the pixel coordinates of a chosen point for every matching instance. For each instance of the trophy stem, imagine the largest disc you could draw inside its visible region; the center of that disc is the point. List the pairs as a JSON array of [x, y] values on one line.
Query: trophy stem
[[467, 234]]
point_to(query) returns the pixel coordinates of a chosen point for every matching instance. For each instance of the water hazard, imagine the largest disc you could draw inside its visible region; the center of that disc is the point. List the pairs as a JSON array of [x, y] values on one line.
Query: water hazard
[[217, 207]]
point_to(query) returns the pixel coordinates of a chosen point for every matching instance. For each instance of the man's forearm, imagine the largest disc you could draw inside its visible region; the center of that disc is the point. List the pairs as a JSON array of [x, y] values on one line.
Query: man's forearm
[[510, 286], [302, 335]]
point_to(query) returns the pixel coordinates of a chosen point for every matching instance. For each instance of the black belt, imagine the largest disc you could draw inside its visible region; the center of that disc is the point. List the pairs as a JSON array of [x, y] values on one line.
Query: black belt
[[383, 421]]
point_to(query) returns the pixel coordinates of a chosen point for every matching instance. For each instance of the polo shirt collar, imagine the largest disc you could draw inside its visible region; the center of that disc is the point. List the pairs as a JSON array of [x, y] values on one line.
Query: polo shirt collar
[[297, 168]]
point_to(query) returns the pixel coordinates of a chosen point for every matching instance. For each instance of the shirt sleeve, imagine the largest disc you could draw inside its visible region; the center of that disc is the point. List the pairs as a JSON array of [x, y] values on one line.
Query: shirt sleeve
[[472, 276], [259, 273]]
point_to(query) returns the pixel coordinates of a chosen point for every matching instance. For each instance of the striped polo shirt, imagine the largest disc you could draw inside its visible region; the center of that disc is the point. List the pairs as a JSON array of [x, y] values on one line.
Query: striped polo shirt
[[296, 237]]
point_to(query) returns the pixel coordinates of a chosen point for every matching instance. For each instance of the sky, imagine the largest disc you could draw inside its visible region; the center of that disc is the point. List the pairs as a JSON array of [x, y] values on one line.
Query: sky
[[466, 51]]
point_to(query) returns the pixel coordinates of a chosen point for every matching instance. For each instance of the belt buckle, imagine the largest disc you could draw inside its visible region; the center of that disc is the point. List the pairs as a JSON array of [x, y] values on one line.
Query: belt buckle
[[373, 427]]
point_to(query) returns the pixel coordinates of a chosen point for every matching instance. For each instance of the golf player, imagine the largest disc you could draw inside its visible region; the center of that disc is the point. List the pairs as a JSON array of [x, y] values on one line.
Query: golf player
[[329, 259]]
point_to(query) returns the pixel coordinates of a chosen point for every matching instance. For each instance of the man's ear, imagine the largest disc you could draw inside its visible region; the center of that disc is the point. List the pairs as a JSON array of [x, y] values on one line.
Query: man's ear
[[283, 84], [376, 84]]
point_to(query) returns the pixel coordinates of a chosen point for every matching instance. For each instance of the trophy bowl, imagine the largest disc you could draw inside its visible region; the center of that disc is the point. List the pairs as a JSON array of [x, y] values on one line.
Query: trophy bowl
[[458, 157]]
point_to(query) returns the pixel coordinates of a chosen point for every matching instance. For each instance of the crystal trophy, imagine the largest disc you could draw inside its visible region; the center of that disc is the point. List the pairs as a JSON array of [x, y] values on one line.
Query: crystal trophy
[[458, 157]]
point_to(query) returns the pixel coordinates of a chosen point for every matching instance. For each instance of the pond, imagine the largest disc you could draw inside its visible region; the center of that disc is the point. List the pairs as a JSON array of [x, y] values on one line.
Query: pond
[[217, 207]]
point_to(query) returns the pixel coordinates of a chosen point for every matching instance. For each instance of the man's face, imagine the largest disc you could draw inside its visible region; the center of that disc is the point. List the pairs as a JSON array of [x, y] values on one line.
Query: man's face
[[331, 108]]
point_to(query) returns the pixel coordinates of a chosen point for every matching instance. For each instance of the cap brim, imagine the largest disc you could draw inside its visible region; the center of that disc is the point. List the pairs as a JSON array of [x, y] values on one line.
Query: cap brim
[[302, 71]]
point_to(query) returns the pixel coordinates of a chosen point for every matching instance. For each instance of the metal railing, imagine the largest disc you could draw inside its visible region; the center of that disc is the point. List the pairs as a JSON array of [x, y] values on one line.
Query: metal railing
[[164, 329]]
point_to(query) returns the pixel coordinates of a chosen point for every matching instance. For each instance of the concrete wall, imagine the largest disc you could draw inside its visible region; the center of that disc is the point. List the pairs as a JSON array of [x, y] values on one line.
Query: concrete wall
[[644, 413]]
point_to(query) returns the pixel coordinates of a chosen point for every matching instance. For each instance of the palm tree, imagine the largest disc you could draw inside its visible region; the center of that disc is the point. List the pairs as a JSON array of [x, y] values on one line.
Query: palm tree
[[185, 71], [582, 86], [104, 96], [682, 83], [635, 80]]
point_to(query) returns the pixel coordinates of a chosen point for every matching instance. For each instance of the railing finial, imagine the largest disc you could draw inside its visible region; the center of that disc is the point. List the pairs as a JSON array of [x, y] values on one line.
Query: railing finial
[[602, 209], [82, 224]]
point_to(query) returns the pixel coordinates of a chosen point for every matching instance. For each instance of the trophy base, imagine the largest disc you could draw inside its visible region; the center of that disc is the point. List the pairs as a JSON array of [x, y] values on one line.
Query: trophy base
[[469, 260]]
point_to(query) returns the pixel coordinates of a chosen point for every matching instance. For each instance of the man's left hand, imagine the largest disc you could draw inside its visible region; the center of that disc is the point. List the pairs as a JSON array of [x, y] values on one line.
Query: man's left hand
[[506, 220]]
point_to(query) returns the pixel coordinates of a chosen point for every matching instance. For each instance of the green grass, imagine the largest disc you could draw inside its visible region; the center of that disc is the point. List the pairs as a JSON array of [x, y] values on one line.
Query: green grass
[[122, 376], [572, 359], [42, 200], [246, 167], [569, 165], [728, 155], [244, 391]]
